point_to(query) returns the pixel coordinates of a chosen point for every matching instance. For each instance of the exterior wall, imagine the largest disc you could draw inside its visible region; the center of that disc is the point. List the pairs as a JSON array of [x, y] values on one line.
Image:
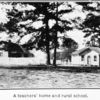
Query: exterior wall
[[77, 59], [92, 54], [3, 53]]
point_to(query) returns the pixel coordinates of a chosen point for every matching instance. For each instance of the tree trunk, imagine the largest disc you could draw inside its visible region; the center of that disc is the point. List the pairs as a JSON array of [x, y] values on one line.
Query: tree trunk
[[55, 50], [99, 54], [55, 39], [47, 42], [48, 54]]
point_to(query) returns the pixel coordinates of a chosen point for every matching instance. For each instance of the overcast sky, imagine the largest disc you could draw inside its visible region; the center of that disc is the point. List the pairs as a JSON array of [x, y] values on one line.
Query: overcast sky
[[75, 34]]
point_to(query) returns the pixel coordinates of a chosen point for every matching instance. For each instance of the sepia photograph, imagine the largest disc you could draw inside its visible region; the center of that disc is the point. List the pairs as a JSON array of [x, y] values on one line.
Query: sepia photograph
[[49, 45]]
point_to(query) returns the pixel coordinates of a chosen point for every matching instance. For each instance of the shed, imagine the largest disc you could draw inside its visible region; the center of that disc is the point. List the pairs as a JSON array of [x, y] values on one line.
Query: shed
[[9, 49]]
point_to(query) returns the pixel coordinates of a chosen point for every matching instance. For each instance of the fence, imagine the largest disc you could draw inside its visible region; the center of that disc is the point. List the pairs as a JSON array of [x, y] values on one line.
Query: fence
[[20, 61]]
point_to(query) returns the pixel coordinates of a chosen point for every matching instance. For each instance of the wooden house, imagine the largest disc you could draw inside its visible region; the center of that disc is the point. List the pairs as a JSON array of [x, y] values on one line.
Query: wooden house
[[86, 56]]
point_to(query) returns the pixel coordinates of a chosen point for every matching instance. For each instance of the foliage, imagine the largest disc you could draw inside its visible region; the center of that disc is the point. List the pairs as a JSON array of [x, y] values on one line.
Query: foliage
[[91, 24], [44, 37]]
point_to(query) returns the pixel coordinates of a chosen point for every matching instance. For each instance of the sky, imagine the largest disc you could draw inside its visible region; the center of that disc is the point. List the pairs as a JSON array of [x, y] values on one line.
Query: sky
[[77, 35]]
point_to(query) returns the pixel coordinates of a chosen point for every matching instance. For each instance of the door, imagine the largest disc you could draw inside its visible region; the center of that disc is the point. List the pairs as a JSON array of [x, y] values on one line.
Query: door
[[88, 60]]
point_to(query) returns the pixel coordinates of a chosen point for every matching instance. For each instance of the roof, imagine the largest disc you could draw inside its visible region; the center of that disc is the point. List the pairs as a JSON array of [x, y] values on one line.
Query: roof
[[78, 52], [96, 49], [9, 46]]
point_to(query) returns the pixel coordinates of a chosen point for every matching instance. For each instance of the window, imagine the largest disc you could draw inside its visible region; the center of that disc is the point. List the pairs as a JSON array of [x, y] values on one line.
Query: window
[[82, 58], [95, 58]]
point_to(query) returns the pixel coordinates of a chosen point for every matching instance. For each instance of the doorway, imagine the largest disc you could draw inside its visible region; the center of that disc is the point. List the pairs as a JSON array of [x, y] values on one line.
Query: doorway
[[88, 60]]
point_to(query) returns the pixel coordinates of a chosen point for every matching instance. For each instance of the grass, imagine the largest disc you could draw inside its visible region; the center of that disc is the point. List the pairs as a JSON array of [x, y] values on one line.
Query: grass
[[77, 69]]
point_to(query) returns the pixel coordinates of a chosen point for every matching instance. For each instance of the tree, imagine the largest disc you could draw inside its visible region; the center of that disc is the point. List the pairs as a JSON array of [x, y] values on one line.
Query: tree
[[46, 37], [42, 37], [50, 11], [91, 24], [60, 25], [2, 28], [70, 43]]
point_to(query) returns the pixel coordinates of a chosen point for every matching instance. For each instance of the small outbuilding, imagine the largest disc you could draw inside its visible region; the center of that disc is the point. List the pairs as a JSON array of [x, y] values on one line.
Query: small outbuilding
[[9, 49], [89, 56]]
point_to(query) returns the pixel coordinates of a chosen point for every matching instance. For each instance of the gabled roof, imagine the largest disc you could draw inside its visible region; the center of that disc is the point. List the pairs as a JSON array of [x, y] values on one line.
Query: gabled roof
[[78, 52], [96, 49]]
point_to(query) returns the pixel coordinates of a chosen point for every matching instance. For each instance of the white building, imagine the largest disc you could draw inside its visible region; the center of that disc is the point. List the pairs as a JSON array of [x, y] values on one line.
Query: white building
[[86, 56]]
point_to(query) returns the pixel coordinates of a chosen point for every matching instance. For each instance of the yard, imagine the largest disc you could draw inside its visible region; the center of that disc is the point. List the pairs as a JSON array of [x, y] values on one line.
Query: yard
[[45, 77]]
